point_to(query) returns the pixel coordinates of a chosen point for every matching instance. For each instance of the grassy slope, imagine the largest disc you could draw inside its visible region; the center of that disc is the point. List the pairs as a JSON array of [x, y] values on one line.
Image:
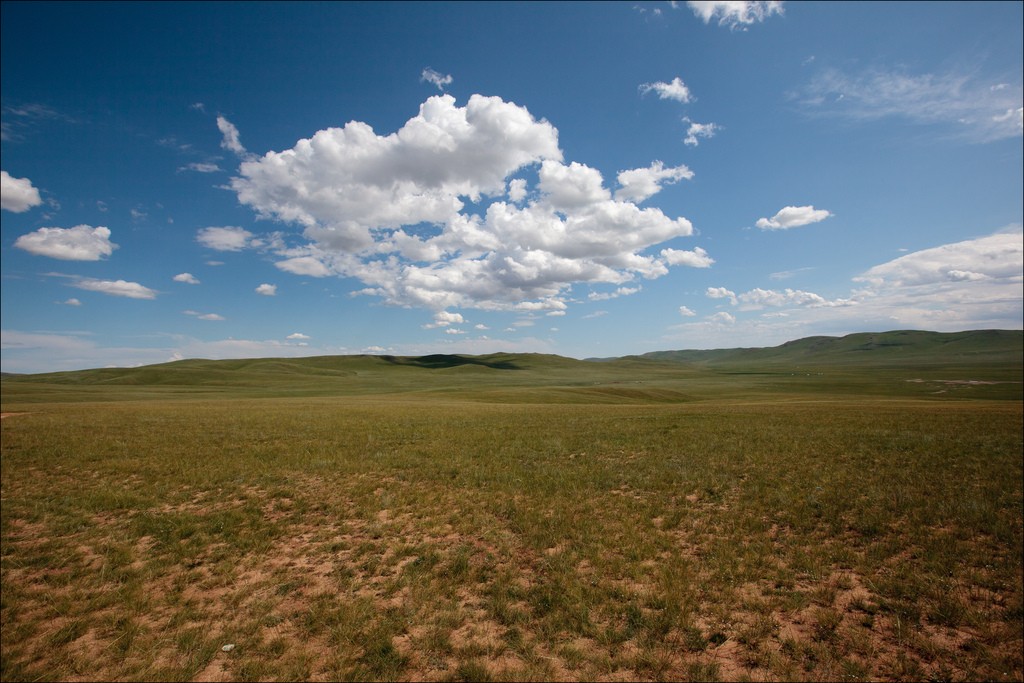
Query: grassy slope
[[886, 349], [886, 364]]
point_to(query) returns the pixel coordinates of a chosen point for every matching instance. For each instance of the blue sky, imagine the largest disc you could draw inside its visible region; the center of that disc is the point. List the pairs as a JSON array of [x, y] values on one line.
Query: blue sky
[[589, 179]]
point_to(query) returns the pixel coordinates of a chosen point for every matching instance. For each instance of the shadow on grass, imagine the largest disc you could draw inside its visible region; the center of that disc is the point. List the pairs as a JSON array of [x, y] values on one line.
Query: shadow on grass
[[442, 360]]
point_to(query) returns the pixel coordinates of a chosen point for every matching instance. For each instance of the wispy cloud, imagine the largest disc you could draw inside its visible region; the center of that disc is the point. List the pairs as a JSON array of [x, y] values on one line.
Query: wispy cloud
[[204, 316], [437, 78], [231, 140], [201, 167], [19, 120], [621, 291], [699, 130], [963, 104], [736, 14], [674, 90], [187, 278], [786, 274]]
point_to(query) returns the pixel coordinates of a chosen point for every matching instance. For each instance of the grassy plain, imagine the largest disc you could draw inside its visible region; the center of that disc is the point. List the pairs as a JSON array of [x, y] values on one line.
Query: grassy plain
[[514, 517]]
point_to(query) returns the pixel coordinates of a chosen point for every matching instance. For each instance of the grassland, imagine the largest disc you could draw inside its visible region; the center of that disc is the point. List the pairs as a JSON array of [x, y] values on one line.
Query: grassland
[[518, 517]]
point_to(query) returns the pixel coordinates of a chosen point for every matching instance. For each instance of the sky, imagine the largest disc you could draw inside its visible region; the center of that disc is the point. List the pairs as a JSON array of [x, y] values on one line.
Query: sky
[[231, 180]]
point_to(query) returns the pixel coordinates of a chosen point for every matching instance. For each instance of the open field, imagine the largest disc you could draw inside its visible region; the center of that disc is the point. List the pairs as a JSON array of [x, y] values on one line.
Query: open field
[[515, 517]]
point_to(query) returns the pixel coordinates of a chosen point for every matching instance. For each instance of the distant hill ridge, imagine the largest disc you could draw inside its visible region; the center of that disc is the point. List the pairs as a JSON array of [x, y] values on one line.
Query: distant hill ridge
[[899, 349], [868, 348]]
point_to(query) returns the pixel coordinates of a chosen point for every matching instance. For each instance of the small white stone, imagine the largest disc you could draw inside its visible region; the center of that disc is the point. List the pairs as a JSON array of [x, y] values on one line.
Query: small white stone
[[229, 647]]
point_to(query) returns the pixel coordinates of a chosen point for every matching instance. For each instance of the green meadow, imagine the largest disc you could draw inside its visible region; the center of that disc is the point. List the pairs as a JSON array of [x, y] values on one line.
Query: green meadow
[[830, 509]]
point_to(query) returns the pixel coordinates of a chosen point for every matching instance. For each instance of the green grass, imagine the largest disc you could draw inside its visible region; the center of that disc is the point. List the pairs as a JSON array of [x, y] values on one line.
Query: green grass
[[456, 518], [985, 364]]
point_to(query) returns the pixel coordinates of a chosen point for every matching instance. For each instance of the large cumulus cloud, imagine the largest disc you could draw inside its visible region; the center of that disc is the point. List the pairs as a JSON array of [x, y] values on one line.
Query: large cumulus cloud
[[470, 206]]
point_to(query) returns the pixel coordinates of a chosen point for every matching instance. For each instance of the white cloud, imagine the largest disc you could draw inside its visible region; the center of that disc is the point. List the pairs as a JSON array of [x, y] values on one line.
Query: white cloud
[[445, 318], [343, 182], [571, 187], [231, 140], [699, 130], [298, 336], [17, 194], [698, 258], [676, 90], [722, 318], [964, 105], [758, 298], [734, 13], [721, 293], [1011, 116], [997, 257], [973, 284], [793, 217], [437, 78], [621, 291], [638, 184], [228, 238], [80, 243], [187, 278], [131, 290], [686, 312], [517, 190], [72, 302], [267, 289], [304, 265], [390, 211]]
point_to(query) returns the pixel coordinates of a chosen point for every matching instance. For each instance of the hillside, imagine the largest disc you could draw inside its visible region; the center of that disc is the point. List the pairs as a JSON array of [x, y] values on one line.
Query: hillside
[[983, 364], [899, 348]]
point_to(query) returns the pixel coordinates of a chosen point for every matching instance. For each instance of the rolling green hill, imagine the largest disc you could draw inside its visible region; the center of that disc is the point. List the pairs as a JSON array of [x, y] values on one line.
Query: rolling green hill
[[982, 364], [900, 348]]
